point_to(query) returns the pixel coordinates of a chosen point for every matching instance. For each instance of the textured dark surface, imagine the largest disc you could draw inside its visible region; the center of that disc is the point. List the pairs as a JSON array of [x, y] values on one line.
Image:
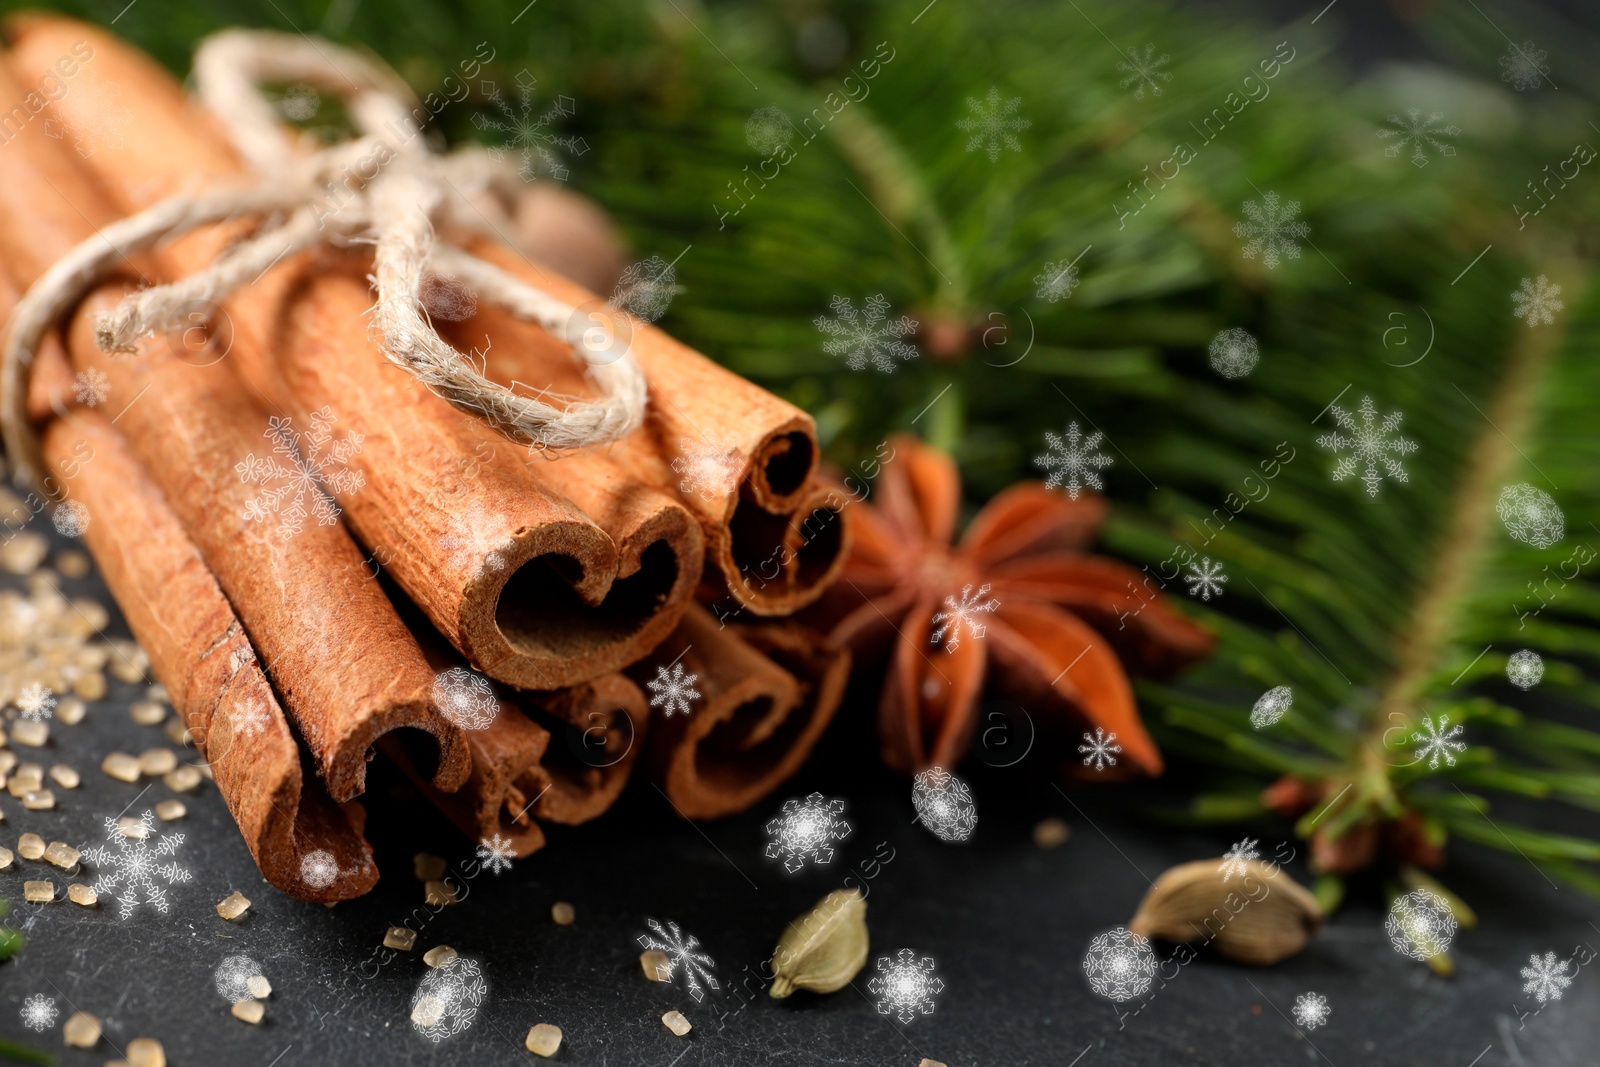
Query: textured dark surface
[[1007, 922]]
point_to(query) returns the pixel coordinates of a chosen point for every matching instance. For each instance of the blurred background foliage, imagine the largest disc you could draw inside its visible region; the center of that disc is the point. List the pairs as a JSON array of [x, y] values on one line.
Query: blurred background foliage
[[1376, 610]]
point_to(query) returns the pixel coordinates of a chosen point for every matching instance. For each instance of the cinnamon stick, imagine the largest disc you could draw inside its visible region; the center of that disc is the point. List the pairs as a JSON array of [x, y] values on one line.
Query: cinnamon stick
[[347, 670], [767, 692], [542, 575]]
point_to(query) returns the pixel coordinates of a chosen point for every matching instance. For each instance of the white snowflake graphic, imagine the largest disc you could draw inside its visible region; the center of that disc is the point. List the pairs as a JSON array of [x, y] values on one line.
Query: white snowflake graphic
[[532, 138], [768, 129], [1234, 353], [1536, 302], [905, 986], [709, 466], [1525, 668], [447, 298], [1056, 282], [248, 718], [448, 998], [944, 804], [1531, 515], [993, 124], [300, 102], [91, 387], [867, 336], [1546, 978], [684, 957], [1420, 924], [1370, 444], [319, 869], [673, 691], [1100, 748], [1421, 134], [35, 702], [646, 289], [1072, 460], [232, 978], [1235, 859], [310, 466], [1120, 965], [962, 616], [70, 518], [1144, 70], [495, 852], [1272, 705], [1436, 742], [1205, 579], [805, 830], [99, 123], [1524, 66], [39, 1012], [133, 869], [1311, 1010], [471, 542], [465, 697], [1274, 232]]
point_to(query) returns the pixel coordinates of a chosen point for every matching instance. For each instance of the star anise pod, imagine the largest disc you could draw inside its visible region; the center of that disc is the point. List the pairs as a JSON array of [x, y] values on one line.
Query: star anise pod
[[1016, 604]]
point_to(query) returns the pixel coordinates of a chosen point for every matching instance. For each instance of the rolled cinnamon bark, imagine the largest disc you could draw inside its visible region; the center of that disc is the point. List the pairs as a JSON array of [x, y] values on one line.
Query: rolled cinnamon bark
[[767, 692], [347, 670], [542, 575]]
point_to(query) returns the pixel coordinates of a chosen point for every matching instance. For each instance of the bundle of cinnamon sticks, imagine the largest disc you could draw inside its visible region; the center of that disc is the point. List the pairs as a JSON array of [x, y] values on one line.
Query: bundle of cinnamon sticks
[[323, 558]]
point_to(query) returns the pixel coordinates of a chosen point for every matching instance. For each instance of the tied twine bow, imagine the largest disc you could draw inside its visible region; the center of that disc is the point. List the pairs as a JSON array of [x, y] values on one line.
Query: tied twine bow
[[394, 210]]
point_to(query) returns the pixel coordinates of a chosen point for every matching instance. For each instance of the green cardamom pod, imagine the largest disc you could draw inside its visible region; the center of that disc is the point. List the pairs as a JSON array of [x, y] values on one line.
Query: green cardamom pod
[[824, 948]]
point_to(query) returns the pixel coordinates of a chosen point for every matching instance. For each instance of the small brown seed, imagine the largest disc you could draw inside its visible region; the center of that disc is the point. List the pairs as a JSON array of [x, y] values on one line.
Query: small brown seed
[[30, 733], [158, 692], [82, 895], [251, 1011], [429, 868], [400, 938], [132, 827], [930, 1063], [8, 760], [129, 662], [439, 894], [81, 1030], [60, 854], [72, 563], [38, 892], [65, 776], [562, 913], [121, 766], [233, 905], [177, 733], [170, 810], [1051, 832], [544, 1039], [71, 711], [675, 1021], [258, 986], [147, 712], [6, 858], [154, 762], [30, 847], [90, 686], [438, 955], [39, 800], [146, 1052], [24, 552], [655, 965], [183, 779]]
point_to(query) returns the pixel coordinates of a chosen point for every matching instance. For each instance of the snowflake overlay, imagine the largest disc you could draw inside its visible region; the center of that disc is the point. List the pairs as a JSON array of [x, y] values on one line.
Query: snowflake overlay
[[317, 467], [1436, 742], [465, 698], [1274, 232], [1120, 965], [684, 956], [1531, 515], [1546, 978], [768, 129], [673, 691], [1420, 133], [1144, 70], [1311, 1010], [805, 830], [1524, 66], [35, 702], [961, 616], [532, 138], [133, 868], [1235, 859], [232, 977], [71, 518], [709, 467], [1056, 282], [91, 387], [1420, 924], [993, 124], [1072, 461], [867, 336], [646, 289], [905, 986], [470, 541], [944, 804], [1205, 579], [300, 102], [1273, 705], [1535, 301], [39, 1012], [319, 869], [1525, 668], [1234, 353], [447, 1000], [98, 123], [1100, 748], [1369, 444], [445, 297], [249, 718], [495, 853]]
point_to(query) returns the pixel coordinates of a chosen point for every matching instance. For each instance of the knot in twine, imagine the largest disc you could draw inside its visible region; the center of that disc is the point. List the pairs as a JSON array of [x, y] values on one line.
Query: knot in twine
[[308, 197]]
